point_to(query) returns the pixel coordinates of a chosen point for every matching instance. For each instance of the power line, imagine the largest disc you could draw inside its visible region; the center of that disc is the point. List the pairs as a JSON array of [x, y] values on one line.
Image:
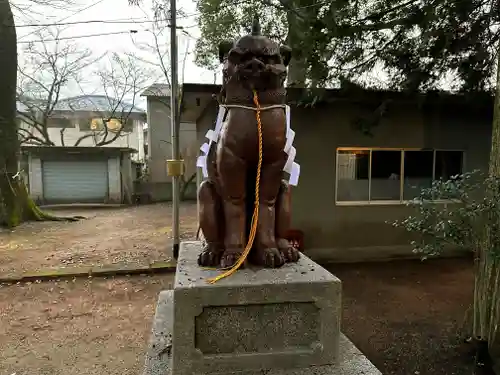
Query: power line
[[64, 18], [133, 31], [142, 20], [131, 21], [120, 21], [79, 36], [117, 21]]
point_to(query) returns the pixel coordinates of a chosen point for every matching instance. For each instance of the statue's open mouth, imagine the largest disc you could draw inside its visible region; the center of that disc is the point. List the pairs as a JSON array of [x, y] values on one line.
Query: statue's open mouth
[[249, 73], [252, 68], [266, 72]]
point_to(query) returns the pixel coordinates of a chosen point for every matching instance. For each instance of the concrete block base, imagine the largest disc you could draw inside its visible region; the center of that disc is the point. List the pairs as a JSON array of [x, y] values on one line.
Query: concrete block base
[[159, 355], [257, 318]]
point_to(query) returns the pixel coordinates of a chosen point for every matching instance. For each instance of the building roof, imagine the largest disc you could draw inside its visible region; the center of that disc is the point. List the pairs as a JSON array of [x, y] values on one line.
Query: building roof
[[89, 103], [95, 103], [21, 107], [294, 94], [78, 149], [157, 89]]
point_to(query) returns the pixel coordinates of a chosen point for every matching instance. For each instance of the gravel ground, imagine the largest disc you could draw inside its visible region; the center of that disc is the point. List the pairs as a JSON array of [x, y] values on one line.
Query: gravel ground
[[406, 316], [133, 235], [77, 328]]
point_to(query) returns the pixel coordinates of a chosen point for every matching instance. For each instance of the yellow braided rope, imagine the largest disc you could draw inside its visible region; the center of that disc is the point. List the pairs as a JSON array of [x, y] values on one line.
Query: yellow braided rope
[[255, 217]]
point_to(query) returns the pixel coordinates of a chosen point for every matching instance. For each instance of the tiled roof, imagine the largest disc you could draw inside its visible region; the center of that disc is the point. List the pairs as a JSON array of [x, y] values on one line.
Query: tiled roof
[[90, 103], [157, 89]]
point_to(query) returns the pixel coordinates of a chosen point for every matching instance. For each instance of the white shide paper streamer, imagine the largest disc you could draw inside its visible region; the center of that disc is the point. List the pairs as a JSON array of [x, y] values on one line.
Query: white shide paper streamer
[[290, 167]]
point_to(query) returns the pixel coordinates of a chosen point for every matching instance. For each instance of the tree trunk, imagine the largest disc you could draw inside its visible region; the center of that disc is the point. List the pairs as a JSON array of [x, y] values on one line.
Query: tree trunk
[[185, 186], [297, 70], [9, 141], [494, 169], [487, 263], [16, 205]]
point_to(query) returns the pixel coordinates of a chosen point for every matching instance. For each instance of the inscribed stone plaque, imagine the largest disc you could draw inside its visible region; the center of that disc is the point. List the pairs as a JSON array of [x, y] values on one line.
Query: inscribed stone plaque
[[257, 328]]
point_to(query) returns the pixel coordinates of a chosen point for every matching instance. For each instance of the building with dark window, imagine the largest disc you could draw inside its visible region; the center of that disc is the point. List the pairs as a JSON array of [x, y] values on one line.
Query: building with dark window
[[363, 155]]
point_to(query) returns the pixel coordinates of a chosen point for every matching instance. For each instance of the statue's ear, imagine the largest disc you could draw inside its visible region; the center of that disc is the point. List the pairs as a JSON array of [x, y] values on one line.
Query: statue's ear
[[286, 54], [224, 48]]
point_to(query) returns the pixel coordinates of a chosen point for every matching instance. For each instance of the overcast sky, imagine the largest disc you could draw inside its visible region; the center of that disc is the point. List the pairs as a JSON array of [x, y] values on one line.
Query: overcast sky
[[125, 18]]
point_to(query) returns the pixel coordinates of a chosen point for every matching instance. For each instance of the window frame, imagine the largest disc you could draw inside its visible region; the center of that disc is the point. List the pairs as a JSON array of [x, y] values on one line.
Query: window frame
[[402, 150], [57, 125]]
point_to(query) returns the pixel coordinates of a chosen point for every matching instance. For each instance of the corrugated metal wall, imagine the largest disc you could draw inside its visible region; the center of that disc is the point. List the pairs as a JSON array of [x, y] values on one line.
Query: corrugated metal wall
[[75, 181]]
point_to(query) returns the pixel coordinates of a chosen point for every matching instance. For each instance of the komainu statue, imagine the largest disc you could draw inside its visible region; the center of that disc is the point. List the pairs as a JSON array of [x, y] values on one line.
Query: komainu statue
[[244, 206]]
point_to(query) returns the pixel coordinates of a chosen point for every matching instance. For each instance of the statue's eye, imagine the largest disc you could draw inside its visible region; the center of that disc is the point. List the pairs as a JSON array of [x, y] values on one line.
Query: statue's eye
[[247, 56], [234, 57], [265, 59]]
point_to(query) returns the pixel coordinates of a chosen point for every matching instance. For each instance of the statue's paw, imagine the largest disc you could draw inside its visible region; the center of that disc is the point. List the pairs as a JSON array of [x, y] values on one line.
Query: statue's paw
[[210, 256], [230, 257], [290, 253], [269, 258]]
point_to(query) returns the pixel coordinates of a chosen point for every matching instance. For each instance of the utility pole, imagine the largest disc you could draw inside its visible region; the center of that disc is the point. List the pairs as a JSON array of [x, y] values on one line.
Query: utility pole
[[174, 166]]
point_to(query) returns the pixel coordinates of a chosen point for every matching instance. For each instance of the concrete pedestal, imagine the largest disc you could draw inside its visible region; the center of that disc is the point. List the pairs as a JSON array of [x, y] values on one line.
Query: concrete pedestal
[[257, 321]]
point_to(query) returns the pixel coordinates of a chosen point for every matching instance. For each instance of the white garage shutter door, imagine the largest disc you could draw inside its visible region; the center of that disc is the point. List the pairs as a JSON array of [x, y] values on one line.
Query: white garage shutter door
[[75, 181]]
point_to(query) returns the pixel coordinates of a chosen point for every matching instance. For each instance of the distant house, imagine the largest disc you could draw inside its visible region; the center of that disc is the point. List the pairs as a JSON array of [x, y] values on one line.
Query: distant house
[[158, 144], [83, 150], [351, 183]]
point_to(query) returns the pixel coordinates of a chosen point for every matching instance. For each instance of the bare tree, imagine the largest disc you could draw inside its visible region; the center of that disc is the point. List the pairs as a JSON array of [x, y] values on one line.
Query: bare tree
[[48, 70], [56, 68], [15, 204], [156, 54], [32, 10], [189, 154]]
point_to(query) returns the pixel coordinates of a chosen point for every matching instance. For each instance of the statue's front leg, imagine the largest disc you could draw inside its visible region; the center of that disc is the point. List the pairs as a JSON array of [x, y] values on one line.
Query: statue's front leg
[[211, 221], [290, 253], [266, 249], [231, 170]]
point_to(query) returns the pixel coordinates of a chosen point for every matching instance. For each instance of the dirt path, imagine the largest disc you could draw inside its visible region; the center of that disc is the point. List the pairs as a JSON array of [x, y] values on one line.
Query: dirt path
[[77, 328], [138, 235], [405, 316]]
